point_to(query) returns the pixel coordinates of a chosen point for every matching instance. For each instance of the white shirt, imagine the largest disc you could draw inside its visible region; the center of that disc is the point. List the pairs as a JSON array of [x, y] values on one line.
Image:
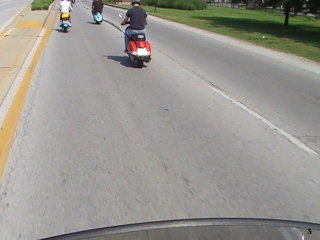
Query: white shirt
[[65, 6]]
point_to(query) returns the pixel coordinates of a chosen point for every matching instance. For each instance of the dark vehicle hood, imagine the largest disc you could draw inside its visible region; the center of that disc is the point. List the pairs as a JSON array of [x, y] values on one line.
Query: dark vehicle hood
[[204, 229]]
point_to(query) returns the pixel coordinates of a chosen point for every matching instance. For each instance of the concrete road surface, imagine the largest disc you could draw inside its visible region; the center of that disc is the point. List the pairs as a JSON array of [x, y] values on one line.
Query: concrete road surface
[[9, 9], [102, 143]]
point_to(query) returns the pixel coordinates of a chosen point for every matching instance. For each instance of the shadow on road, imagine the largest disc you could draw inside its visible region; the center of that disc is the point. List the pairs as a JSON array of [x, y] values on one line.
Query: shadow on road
[[123, 60], [60, 30], [94, 23]]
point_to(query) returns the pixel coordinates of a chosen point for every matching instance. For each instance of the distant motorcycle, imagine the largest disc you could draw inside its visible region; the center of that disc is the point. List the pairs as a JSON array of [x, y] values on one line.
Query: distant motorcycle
[[97, 17], [65, 22]]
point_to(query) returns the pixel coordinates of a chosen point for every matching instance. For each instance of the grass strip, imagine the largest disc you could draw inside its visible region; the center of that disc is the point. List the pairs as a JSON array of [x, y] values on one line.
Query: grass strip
[[260, 27], [40, 4]]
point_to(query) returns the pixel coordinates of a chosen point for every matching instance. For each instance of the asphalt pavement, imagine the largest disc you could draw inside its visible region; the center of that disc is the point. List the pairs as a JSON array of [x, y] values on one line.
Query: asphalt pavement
[[102, 143]]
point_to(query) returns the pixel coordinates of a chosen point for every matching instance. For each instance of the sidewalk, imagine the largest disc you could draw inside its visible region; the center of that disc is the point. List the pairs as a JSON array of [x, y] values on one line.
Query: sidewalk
[[16, 41]]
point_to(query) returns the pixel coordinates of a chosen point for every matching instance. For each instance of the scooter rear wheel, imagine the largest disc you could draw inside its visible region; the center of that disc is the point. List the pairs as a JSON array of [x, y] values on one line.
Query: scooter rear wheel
[[139, 63]]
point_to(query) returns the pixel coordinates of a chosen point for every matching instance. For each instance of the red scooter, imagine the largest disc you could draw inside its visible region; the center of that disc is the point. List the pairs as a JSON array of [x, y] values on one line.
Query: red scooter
[[139, 50]]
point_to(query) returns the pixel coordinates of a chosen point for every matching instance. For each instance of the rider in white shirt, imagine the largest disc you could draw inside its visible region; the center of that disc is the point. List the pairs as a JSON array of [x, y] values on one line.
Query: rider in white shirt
[[65, 6]]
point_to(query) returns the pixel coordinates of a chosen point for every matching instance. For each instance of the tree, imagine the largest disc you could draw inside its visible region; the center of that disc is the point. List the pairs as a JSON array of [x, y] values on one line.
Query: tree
[[272, 3], [313, 6], [297, 6], [307, 6]]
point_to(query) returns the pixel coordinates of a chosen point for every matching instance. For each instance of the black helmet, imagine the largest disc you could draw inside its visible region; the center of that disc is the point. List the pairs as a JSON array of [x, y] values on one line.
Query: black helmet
[[135, 1]]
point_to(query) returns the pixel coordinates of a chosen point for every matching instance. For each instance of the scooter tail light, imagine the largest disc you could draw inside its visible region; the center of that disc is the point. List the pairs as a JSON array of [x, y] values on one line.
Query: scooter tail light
[[132, 46]]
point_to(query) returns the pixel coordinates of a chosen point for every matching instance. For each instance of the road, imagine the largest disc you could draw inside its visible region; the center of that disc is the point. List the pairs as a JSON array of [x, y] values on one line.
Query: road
[[9, 9], [101, 143]]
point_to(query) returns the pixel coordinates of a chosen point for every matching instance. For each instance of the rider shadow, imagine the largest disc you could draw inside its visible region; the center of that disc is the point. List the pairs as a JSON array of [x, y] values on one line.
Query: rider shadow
[[123, 60]]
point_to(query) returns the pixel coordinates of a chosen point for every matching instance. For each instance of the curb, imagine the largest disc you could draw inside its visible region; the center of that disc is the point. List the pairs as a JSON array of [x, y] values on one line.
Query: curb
[[12, 105], [49, 10]]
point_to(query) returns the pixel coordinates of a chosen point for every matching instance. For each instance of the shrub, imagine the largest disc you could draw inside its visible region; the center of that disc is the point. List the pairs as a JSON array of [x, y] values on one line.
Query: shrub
[[177, 4]]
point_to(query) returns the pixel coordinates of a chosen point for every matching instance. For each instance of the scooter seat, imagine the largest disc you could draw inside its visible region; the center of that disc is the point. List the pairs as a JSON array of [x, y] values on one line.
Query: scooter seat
[[138, 37]]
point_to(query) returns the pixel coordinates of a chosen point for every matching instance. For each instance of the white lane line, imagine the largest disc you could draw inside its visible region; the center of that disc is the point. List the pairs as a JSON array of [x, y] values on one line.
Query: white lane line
[[6, 104], [256, 115]]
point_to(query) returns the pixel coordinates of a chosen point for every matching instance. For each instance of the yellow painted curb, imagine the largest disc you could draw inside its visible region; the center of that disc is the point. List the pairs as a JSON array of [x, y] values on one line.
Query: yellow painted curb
[[8, 129], [30, 24]]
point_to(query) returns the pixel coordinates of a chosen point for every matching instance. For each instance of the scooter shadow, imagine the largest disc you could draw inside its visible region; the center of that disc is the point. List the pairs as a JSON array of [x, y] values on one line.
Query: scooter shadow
[[94, 23], [123, 60], [60, 30]]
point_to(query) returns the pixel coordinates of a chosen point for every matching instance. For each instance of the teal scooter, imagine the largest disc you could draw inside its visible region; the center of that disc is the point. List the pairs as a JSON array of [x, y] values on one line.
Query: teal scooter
[[97, 17], [65, 22]]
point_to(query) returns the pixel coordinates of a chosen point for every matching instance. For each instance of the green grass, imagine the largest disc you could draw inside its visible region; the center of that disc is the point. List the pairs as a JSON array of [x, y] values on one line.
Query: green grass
[[302, 37], [40, 4], [177, 4]]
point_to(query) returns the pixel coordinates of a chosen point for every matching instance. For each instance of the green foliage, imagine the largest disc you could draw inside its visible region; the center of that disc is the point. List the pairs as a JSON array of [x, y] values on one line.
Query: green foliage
[[177, 4], [150, 2], [297, 5], [272, 3], [313, 6], [40, 4], [236, 1], [306, 6]]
